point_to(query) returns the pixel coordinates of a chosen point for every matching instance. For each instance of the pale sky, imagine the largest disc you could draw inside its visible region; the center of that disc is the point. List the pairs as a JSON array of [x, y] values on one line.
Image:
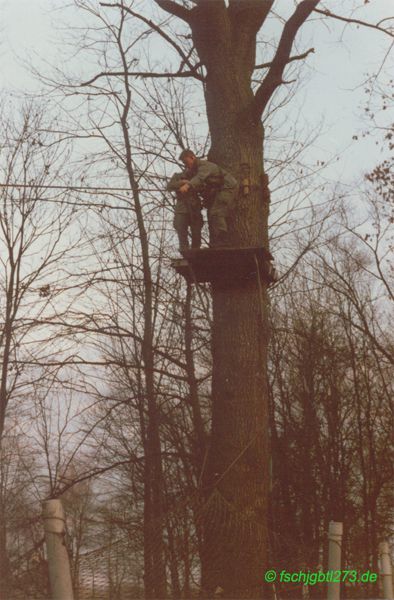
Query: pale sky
[[332, 94]]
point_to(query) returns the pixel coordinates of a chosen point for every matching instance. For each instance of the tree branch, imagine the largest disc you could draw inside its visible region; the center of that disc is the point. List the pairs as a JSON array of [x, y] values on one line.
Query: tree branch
[[143, 74], [174, 9], [170, 40], [273, 78], [291, 59], [328, 13]]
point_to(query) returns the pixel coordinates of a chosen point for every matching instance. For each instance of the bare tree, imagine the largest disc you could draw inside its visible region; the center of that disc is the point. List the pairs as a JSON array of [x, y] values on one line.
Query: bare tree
[[236, 475], [32, 223], [330, 423], [216, 44]]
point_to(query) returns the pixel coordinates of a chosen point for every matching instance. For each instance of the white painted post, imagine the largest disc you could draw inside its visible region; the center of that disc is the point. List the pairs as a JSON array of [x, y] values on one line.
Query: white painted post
[[386, 571], [58, 561], [335, 531]]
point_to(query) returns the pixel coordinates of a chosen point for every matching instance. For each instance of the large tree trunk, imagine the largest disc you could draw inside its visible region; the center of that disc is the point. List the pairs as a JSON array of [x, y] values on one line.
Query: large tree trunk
[[236, 476]]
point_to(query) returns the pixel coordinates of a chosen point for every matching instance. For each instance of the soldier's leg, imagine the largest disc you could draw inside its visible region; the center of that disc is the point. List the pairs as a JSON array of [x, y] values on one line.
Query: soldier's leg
[[211, 232], [181, 223], [196, 224], [218, 218]]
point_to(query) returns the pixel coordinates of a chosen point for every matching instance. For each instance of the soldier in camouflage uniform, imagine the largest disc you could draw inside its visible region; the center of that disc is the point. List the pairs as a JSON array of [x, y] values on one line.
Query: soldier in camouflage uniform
[[218, 189], [187, 213]]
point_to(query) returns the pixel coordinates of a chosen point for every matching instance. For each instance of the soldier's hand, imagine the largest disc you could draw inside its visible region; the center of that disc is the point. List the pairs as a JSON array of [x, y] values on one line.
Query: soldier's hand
[[185, 187]]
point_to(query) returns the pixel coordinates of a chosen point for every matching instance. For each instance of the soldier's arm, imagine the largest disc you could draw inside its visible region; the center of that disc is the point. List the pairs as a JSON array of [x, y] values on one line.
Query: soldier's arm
[[205, 169], [176, 182]]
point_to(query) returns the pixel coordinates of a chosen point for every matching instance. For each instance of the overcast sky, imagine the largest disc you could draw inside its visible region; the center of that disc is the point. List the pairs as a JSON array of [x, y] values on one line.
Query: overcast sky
[[332, 94]]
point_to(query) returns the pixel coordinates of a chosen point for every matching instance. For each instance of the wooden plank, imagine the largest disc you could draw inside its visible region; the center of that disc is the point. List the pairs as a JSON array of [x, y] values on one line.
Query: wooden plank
[[226, 265]]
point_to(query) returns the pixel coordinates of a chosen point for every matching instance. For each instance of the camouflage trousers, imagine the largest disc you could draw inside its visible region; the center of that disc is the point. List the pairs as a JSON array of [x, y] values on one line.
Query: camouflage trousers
[[183, 222], [218, 213]]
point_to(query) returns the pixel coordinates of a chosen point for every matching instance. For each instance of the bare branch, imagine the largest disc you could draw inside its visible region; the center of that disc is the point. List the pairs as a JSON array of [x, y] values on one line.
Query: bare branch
[[174, 9], [274, 76], [328, 13], [142, 74], [291, 59], [155, 28]]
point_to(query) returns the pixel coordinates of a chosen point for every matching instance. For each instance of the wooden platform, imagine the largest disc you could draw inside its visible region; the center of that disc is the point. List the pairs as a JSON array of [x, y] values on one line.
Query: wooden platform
[[227, 265]]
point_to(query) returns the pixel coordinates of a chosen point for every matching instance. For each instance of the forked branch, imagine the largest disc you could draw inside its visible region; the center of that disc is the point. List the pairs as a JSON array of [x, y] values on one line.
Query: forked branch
[[274, 77], [174, 9]]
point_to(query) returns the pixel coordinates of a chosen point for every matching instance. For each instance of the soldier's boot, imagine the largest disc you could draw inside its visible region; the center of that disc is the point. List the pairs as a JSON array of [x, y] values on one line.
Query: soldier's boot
[[196, 238], [222, 239], [218, 232]]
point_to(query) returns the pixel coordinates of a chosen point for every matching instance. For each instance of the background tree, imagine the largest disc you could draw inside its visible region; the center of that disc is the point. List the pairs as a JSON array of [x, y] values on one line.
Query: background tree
[[30, 280], [138, 326], [330, 421], [220, 53], [236, 475]]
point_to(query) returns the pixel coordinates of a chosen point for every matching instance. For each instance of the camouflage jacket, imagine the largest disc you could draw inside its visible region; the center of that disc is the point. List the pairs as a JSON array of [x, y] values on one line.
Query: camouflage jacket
[[176, 180], [185, 202], [207, 174]]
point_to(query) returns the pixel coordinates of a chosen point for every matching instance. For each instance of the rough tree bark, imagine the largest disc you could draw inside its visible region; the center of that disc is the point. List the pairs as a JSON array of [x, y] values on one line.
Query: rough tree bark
[[236, 474]]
